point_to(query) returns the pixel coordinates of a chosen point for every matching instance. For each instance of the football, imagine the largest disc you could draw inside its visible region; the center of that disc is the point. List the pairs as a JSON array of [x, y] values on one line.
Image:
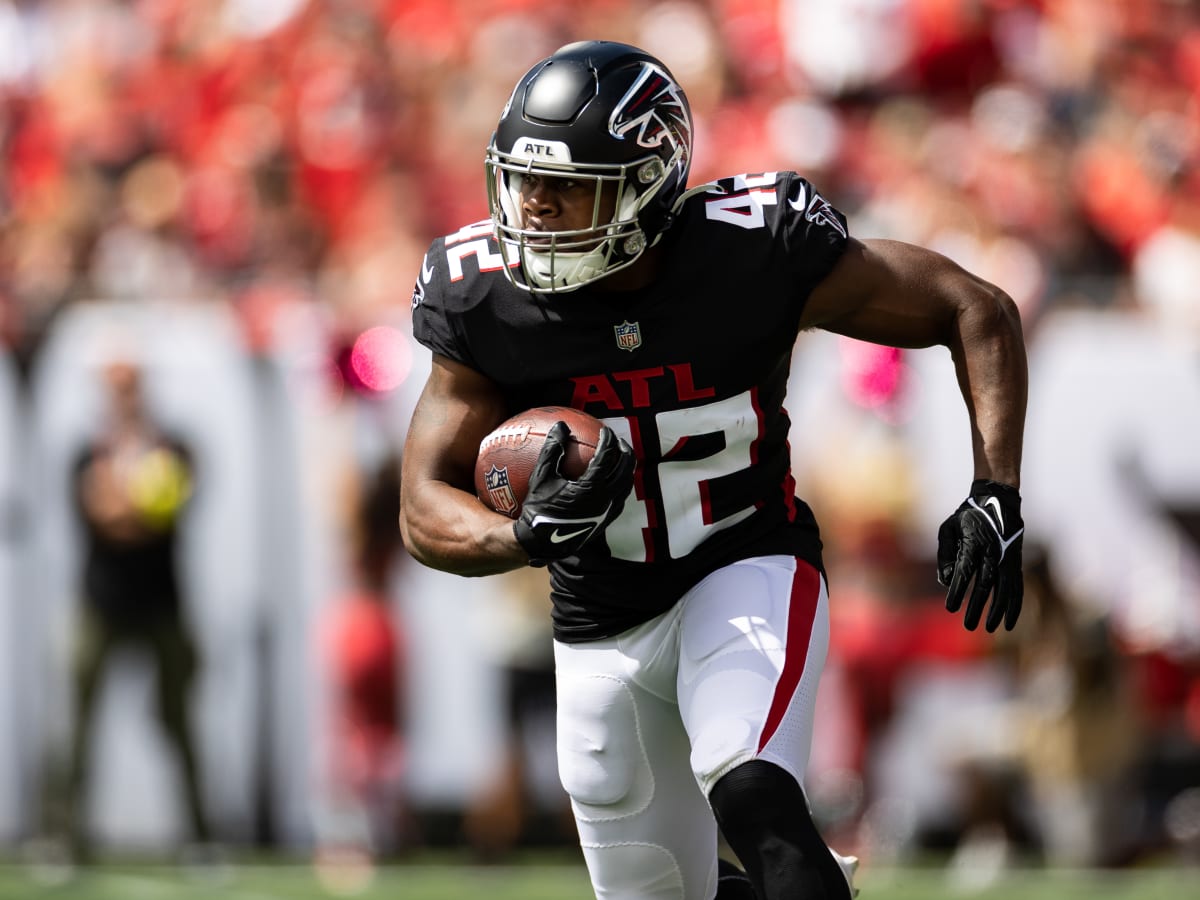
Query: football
[[507, 455]]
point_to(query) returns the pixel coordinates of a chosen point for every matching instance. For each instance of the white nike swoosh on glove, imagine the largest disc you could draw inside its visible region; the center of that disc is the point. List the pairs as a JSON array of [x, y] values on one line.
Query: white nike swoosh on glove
[[995, 504], [557, 538], [1004, 544]]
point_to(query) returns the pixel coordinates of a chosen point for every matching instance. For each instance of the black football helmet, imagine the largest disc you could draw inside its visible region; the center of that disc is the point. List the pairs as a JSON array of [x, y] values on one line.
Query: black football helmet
[[601, 112]]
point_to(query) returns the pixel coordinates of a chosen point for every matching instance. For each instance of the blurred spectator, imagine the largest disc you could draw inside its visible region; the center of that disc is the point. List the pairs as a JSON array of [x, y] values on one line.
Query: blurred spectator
[[363, 649], [1166, 269], [1083, 729], [524, 802], [132, 486], [1064, 786]]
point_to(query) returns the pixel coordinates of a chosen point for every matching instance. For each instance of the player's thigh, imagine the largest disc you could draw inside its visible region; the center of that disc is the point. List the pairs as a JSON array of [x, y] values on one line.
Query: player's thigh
[[753, 641], [644, 826]]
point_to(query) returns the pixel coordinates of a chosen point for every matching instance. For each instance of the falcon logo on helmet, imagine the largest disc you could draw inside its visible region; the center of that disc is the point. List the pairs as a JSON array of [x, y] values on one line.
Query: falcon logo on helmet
[[653, 106]]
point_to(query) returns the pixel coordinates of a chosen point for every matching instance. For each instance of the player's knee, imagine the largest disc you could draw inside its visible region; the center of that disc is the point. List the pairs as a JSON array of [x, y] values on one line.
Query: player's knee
[[600, 754], [604, 768], [721, 745]]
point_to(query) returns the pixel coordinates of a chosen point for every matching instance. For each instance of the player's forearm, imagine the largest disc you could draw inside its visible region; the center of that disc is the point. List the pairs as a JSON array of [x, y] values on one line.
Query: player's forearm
[[989, 358], [448, 529]]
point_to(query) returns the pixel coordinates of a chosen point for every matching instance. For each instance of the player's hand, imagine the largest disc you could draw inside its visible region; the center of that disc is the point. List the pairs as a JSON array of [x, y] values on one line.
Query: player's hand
[[559, 515], [982, 540]]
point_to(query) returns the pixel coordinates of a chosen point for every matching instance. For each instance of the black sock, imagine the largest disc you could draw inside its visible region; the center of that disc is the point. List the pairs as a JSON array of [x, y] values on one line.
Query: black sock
[[764, 816]]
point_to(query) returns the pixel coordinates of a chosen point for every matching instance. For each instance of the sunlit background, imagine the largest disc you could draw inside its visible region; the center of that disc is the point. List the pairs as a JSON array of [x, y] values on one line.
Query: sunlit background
[[236, 195]]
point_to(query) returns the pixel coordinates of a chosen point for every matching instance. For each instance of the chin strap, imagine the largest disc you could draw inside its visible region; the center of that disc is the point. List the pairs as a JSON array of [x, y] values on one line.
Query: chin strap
[[709, 188]]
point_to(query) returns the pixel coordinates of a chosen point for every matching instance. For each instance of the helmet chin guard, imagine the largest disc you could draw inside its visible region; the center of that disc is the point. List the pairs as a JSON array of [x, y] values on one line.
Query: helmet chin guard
[[595, 112]]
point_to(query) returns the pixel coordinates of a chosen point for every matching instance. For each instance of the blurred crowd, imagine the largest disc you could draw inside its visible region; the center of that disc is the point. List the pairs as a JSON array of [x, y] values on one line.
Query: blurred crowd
[[303, 151], [282, 155]]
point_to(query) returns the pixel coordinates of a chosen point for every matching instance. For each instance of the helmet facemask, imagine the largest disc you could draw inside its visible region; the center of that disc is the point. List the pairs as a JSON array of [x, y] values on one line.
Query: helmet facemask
[[562, 261]]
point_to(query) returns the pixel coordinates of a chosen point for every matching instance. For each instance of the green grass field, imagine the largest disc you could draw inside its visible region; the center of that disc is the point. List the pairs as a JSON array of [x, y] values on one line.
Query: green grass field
[[533, 880]]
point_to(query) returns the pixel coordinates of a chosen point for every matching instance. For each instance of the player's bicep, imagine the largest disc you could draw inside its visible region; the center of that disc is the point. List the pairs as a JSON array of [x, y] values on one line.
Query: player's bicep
[[890, 292], [443, 524], [457, 407]]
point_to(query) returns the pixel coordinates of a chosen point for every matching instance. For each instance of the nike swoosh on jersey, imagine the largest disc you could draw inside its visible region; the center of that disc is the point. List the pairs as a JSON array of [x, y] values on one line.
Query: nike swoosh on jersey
[[801, 202], [426, 269]]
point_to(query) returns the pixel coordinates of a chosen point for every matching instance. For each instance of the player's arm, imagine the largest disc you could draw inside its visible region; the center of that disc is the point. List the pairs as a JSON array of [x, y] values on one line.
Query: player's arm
[[901, 295], [443, 524], [897, 294]]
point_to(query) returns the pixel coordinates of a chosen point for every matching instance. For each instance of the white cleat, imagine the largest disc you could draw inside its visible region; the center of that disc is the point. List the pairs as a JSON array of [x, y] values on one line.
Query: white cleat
[[849, 865]]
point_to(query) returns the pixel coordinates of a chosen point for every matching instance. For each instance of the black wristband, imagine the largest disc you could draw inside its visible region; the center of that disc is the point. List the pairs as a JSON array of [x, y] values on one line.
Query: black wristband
[[533, 560], [1004, 491]]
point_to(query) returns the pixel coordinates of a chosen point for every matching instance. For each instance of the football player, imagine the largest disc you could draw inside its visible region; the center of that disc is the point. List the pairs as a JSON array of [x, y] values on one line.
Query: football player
[[689, 603]]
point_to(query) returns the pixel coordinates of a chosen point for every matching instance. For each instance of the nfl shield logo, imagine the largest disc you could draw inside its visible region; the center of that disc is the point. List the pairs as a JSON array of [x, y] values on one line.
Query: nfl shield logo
[[629, 335], [498, 488]]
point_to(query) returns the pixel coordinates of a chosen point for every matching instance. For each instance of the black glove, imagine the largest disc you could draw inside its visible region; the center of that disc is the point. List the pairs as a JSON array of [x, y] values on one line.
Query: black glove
[[559, 515], [982, 539]]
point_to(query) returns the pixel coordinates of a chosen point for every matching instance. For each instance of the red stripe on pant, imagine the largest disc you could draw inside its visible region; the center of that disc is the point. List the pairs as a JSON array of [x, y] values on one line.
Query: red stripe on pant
[[802, 610]]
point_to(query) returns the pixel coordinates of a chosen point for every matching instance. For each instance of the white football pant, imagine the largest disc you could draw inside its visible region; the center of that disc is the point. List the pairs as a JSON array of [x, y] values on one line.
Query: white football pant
[[650, 720]]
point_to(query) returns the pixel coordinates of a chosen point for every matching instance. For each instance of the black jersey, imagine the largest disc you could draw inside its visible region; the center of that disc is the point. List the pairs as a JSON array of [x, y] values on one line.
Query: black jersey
[[131, 581], [691, 371]]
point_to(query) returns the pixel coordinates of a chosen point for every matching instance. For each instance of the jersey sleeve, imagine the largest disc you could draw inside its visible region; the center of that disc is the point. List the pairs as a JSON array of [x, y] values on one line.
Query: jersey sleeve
[[434, 324], [813, 231]]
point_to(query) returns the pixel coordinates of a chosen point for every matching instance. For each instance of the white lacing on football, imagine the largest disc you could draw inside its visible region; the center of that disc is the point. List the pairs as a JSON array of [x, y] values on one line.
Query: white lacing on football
[[508, 436]]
